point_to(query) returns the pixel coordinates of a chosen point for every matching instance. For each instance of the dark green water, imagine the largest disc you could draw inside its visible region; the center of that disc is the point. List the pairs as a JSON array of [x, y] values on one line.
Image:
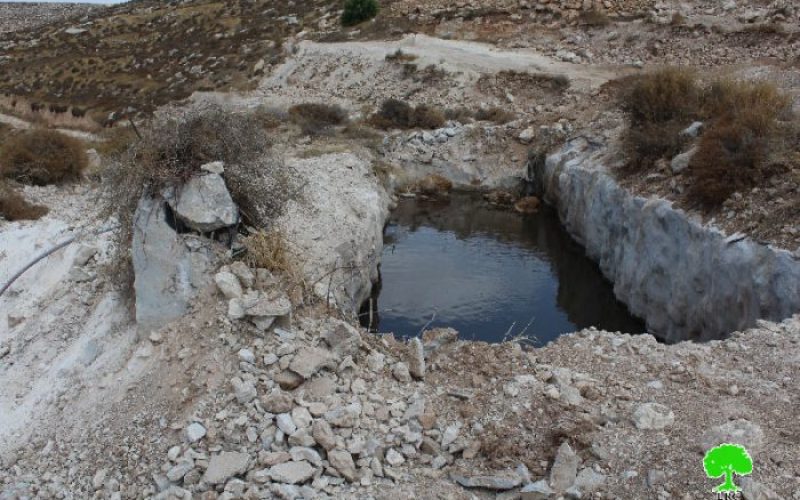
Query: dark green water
[[490, 274]]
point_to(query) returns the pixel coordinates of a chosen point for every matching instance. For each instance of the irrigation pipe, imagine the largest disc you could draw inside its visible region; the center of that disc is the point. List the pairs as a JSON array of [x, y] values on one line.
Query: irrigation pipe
[[46, 254]]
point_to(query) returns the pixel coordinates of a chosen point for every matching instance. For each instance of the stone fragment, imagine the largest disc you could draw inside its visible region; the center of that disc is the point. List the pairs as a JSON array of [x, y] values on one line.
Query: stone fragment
[[195, 432], [228, 284], [527, 135], [310, 455], [310, 360], [565, 468], [286, 424], [488, 482], [244, 391], [292, 472], [344, 416], [247, 356], [450, 434], [394, 458], [214, 167], [588, 481], [288, 380], [342, 461], [693, 130], [681, 162], [179, 470], [741, 431], [539, 490], [401, 372], [652, 416], [224, 466], [344, 339], [277, 401], [323, 434], [204, 204], [416, 358], [168, 272]]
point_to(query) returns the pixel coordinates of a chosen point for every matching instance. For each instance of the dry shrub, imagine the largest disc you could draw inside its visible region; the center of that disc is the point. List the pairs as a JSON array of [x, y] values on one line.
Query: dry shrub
[[13, 206], [173, 149], [745, 144], [400, 56], [594, 17], [269, 250], [42, 157], [678, 19], [495, 115], [747, 138], [754, 105], [727, 160], [317, 118], [395, 113], [659, 105], [270, 117], [648, 142], [429, 117], [662, 96], [460, 114], [116, 141]]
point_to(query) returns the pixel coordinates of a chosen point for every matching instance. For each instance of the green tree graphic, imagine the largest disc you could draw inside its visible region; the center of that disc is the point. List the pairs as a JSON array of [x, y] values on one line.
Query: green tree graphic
[[726, 460]]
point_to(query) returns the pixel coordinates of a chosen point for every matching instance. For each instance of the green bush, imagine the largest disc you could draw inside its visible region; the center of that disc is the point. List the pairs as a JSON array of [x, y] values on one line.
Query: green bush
[[358, 11]]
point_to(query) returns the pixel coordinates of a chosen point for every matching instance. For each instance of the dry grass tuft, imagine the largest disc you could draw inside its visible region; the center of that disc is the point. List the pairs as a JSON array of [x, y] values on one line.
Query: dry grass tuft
[[173, 149], [728, 159], [42, 157], [317, 118], [662, 96], [748, 137], [495, 114], [14, 207], [395, 113], [594, 18], [269, 250], [399, 56]]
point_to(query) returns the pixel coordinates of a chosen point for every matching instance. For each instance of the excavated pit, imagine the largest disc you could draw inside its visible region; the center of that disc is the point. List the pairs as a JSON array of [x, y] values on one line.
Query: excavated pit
[[491, 274]]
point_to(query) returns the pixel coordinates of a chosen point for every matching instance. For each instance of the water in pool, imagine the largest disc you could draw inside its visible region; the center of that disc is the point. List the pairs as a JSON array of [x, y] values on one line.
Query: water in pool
[[488, 273]]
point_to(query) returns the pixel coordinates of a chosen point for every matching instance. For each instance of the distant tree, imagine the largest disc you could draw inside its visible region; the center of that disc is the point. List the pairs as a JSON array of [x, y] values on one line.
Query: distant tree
[[358, 11], [727, 460]]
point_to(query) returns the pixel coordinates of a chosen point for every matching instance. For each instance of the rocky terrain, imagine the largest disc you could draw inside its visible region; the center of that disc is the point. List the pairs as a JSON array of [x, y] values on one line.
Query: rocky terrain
[[17, 16], [210, 376]]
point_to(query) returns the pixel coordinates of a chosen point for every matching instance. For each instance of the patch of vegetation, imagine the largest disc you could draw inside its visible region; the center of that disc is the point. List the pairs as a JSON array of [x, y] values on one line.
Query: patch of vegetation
[[358, 11], [395, 113], [14, 207], [317, 118], [399, 56], [594, 18], [460, 114], [42, 157], [494, 114], [269, 250], [662, 96], [748, 132], [173, 149], [746, 143]]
